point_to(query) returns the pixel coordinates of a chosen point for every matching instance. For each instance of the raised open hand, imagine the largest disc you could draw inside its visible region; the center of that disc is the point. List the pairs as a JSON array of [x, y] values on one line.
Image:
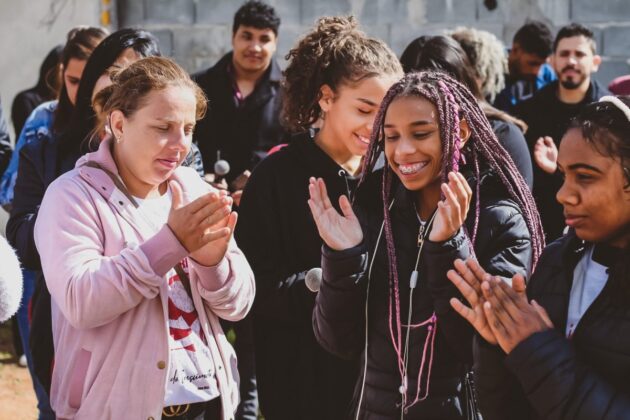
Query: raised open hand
[[546, 154], [338, 231], [452, 211]]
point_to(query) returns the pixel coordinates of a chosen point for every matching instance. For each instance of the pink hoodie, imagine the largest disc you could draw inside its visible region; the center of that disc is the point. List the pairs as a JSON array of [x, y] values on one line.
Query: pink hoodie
[[105, 268]]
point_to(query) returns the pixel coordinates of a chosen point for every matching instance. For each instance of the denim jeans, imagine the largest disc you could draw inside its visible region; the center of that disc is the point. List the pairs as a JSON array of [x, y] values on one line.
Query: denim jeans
[[43, 402]]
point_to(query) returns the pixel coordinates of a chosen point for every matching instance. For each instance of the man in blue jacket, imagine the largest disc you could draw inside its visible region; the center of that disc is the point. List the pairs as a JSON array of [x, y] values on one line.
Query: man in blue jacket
[[527, 63]]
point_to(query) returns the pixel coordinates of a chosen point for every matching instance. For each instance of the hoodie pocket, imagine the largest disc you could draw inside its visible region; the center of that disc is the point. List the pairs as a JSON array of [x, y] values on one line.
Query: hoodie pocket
[[77, 380]]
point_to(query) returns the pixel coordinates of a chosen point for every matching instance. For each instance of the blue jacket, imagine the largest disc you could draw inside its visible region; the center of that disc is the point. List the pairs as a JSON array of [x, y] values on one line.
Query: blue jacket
[[38, 126]]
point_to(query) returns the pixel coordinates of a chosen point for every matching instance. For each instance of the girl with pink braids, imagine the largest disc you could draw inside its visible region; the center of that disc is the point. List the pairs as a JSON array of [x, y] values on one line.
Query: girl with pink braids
[[384, 297]]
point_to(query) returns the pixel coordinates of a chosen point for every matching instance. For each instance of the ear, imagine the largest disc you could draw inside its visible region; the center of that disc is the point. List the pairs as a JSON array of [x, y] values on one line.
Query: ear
[[597, 60], [552, 61], [327, 97], [117, 123], [464, 133]]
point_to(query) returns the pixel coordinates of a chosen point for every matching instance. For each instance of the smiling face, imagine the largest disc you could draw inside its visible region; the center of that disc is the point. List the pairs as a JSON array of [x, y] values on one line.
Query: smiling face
[[349, 114], [594, 194], [155, 139], [412, 142], [253, 49], [574, 61]]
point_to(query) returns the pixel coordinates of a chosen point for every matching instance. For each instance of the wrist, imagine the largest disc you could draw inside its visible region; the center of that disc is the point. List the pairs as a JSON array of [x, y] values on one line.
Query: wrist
[[442, 236]]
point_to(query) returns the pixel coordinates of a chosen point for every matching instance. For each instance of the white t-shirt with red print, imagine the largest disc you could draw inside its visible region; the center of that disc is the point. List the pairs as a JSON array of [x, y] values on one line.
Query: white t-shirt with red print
[[191, 373]]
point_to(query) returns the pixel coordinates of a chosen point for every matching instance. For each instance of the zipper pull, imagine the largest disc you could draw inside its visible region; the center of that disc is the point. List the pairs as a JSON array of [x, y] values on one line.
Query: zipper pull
[[420, 236]]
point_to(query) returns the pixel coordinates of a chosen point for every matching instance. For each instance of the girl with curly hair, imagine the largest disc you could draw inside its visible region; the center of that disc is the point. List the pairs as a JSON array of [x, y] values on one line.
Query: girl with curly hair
[[336, 79]]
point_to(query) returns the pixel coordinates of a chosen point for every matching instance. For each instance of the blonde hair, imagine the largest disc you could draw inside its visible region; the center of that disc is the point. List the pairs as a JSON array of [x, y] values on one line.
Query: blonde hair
[[488, 57]]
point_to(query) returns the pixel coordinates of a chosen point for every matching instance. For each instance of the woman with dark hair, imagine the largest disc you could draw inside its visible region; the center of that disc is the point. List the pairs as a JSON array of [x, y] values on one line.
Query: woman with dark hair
[[51, 118], [336, 78], [41, 162], [442, 53], [384, 298], [44, 90], [562, 349]]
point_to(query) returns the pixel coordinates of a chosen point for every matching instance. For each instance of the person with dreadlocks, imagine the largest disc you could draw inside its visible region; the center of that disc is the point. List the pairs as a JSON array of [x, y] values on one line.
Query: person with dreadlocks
[[336, 78], [565, 353], [385, 296]]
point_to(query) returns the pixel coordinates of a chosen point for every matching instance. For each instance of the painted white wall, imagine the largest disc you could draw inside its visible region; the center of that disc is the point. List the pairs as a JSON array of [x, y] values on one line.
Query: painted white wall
[[28, 31]]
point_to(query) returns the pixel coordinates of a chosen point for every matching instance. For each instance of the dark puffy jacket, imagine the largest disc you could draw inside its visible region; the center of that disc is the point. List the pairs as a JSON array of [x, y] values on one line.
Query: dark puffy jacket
[[297, 379], [242, 133], [548, 376], [502, 246]]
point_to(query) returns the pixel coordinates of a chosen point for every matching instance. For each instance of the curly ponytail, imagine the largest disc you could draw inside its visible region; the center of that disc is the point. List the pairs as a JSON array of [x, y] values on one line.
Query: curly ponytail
[[335, 52]]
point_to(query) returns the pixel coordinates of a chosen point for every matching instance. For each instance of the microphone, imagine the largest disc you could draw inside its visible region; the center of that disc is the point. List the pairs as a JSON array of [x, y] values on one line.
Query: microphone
[[221, 168], [313, 279], [11, 281]]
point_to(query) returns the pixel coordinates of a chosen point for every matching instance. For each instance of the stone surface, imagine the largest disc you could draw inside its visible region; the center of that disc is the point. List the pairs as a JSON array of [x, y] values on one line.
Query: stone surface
[[616, 41], [312, 10], [218, 12], [165, 39], [600, 11], [130, 13], [170, 11], [459, 11], [611, 69], [209, 43]]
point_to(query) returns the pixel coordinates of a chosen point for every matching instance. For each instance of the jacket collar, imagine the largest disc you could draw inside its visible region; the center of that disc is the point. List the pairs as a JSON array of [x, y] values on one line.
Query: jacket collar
[[272, 74]]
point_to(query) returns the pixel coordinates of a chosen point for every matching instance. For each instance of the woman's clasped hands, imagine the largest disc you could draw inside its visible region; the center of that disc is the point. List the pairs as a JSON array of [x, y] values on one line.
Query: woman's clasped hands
[[204, 226], [500, 313]]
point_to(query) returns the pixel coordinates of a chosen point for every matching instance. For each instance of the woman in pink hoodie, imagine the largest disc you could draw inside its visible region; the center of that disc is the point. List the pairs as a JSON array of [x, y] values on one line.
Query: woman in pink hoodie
[[138, 256]]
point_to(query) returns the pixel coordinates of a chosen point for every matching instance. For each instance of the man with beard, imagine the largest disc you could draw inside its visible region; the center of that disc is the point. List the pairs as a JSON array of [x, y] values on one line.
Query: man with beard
[[527, 65], [549, 111], [244, 101]]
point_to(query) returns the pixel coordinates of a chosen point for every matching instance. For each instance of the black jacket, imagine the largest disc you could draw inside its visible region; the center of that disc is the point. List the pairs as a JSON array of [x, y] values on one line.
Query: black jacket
[[40, 164], [548, 376], [297, 379], [243, 134], [546, 115], [502, 247], [512, 139], [6, 150]]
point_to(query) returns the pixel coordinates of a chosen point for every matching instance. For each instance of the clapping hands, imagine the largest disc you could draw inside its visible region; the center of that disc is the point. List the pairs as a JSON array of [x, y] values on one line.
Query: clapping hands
[[499, 312]]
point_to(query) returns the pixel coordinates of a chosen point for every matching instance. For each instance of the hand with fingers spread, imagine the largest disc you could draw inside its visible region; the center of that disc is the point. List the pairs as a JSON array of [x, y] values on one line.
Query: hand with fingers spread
[[452, 211], [468, 277], [204, 226], [510, 316], [546, 154], [338, 231]]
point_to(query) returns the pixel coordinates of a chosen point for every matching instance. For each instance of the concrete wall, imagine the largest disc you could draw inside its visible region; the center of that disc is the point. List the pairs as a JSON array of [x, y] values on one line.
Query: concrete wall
[[198, 32], [28, 31]]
